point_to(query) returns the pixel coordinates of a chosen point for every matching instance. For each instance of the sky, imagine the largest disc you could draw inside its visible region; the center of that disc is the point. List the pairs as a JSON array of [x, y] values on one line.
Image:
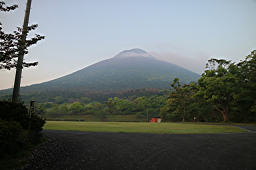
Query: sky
[[82, 32]]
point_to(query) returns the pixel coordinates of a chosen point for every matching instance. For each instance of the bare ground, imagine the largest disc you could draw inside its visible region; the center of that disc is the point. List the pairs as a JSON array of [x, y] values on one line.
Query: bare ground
[[66, 150]]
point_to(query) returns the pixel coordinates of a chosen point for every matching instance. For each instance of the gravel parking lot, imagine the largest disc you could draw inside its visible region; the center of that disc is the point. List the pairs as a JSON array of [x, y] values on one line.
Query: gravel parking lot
[[82, 150]]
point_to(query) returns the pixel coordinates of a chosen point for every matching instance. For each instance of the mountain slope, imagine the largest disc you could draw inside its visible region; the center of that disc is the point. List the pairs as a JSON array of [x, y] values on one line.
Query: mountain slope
[[131, 69], [122, 74]]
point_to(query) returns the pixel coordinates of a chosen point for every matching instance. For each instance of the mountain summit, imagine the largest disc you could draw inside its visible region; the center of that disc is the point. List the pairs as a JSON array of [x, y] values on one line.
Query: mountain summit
[[136, 52]]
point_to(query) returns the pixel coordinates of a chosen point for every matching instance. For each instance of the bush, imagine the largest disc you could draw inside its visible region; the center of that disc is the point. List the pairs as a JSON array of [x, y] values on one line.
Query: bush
[[14, 112], [19, 113], [36, 126], [13, 137], [17, 128]]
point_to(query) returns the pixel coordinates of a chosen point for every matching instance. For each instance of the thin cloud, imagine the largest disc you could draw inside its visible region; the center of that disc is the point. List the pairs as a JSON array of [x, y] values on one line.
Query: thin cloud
[[195, 63]]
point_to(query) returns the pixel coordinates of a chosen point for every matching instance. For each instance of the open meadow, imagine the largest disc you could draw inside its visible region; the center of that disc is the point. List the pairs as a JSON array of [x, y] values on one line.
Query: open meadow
[[142, 127]]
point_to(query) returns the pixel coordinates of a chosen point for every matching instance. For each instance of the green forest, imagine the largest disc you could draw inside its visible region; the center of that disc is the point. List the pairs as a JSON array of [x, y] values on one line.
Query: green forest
[[226, 91]]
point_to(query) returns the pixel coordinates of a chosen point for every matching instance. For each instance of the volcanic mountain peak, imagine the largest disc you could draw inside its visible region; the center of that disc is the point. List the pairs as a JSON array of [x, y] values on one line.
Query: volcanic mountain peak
[[136, 52]]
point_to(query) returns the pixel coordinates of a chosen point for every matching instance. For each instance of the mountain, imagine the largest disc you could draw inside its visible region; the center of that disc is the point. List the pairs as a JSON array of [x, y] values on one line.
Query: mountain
[[130, 69]]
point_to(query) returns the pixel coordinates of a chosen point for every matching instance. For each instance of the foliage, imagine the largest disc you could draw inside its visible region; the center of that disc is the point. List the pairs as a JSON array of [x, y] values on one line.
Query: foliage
[[139, 106], [10, 44], [245, 105], [14, 112], [219, 86], [35, 127], [5, 8], [76, 107], [13, 137], [225, 89], [18, 129]]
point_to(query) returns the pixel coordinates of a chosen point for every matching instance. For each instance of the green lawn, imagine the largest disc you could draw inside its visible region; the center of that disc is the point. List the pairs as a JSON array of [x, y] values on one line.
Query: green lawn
[[172, 128]]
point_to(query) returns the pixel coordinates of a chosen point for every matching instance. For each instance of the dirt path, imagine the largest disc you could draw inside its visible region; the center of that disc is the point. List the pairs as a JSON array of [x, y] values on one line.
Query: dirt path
[[80, 150]]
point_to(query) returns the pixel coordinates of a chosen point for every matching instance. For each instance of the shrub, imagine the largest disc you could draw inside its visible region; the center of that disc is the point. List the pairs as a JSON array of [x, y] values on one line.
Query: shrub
[[19, 113], [13, 137], [14, 112], [36, 126], [17, 128]]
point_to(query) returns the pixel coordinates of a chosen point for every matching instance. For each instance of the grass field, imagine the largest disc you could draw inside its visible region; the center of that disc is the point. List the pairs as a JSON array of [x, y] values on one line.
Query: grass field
[[128, 127]]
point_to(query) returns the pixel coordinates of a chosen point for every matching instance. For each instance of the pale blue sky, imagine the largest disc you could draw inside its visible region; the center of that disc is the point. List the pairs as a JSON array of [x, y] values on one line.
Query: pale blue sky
[[81, 32]]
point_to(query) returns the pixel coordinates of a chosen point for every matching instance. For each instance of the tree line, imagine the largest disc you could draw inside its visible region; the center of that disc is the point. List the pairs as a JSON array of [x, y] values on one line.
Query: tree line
[[139, 106]]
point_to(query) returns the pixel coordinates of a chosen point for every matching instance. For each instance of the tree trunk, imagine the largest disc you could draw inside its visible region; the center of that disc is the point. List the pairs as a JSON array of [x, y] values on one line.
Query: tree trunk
[[16, 88], [183, 115], [225, 116], [224, 113]]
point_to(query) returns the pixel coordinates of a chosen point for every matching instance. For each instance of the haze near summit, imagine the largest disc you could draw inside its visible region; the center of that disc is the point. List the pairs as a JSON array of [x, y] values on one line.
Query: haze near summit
[[186, 33]]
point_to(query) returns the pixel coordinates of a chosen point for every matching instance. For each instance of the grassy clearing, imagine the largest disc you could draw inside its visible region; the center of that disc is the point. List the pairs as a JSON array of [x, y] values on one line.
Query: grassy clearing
[[128, 127]]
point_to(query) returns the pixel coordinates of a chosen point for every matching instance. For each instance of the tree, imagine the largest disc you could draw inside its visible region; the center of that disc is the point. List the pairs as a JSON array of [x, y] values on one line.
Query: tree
[[76, 107], [63, 108], [246, 98], [180, 99], [226, 91], [98, 110], [7, 45], [14, 46], [5, 8], [218, 85], [110, 106], [123, 106]]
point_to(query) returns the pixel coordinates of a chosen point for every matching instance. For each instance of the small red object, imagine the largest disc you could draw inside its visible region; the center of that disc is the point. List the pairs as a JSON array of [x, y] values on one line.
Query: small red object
[[155, 119]]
